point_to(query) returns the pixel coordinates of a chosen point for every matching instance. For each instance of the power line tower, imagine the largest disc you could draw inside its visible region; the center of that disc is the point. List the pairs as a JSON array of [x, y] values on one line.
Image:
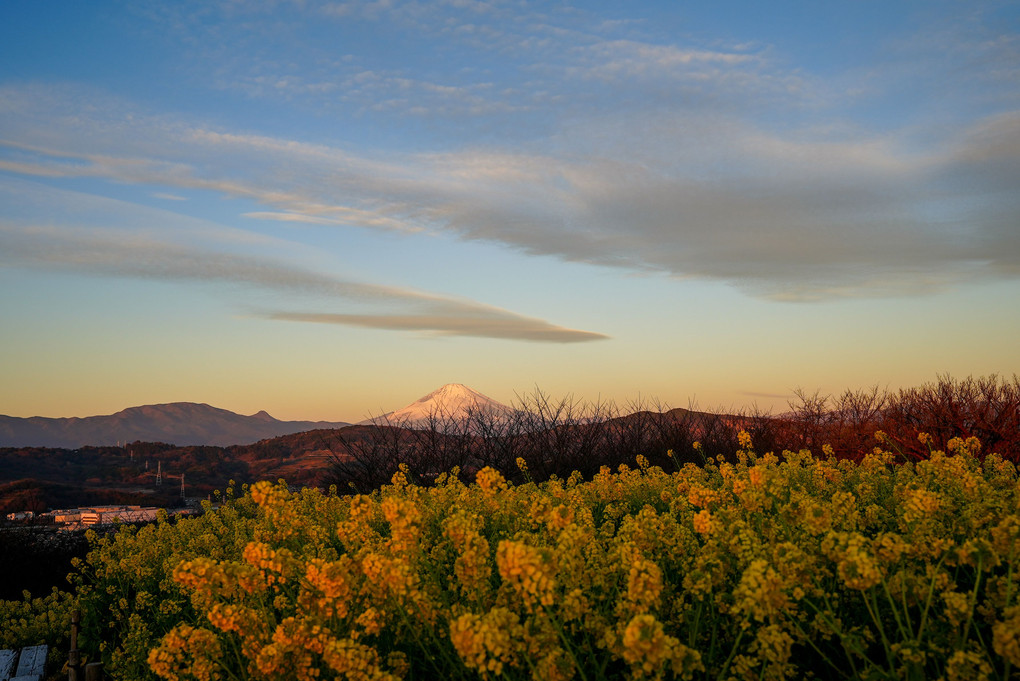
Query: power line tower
[[159, 473], [182, 486]]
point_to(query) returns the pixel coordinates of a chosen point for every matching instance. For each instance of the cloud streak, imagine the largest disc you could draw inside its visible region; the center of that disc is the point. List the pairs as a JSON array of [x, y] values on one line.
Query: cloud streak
[[112, 253], [484, 323]]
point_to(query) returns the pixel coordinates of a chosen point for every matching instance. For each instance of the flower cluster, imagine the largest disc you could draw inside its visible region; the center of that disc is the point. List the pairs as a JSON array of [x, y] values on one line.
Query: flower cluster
[[523, 567], [488, 642], [31, 621], [759, 566]]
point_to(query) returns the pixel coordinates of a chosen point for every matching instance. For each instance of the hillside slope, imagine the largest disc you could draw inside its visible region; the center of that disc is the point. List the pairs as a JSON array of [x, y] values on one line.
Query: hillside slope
[[180, 423]]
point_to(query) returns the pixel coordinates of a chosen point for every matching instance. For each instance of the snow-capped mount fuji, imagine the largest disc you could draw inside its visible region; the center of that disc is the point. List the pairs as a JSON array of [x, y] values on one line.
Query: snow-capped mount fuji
[[452, 402]]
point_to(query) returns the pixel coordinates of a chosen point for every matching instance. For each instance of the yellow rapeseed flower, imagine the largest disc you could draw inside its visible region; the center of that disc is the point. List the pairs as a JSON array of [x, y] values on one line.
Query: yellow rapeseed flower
[[855, 565], [644, 584], [187, 653], [1006, 636], [704, 523], [490, 481], [744, 438], [487, 643], [920, 503], [760, 595], [525, 569], [968, 665], [648, 649]]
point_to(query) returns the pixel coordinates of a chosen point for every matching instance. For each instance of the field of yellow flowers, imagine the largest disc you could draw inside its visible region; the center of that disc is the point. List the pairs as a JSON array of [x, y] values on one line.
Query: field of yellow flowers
[[761, 566]]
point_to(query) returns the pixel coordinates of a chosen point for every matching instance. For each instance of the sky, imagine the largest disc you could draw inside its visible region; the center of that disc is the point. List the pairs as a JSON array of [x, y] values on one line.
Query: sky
[[328, 209]]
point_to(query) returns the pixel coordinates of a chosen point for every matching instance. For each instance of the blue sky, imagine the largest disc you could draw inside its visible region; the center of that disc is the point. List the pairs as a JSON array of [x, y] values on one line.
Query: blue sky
[[326, 210]]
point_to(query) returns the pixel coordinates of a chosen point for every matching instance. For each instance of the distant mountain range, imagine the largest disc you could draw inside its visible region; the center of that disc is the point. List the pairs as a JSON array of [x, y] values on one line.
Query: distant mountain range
[[187, 423], [44, 461], [179, 423]]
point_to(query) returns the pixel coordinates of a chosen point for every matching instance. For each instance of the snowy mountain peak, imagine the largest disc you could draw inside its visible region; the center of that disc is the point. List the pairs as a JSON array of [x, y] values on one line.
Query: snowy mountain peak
[[454, 392], [452, 401]]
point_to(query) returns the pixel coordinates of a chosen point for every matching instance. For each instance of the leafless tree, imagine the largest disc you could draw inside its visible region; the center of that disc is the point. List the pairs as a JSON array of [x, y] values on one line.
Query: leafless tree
[[438, 443], [498, 438], [987, 408], [557, 437], [367, 456]]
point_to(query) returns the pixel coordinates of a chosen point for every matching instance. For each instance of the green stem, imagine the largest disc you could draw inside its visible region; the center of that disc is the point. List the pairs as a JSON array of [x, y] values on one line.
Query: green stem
[[692, 634], [881, 630], [931, 596], [566, 643], [410, 625], [807, 638], [1009, 574], [842, 638], [902, 624], [729, 659], [973, 604], [713, 640]]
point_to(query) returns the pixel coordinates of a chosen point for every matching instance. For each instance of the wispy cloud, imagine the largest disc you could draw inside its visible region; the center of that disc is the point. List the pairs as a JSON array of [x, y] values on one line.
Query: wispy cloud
[[519, 57], [292, 217], [790, 217], [486, 323], [112, 253], [627, 59]]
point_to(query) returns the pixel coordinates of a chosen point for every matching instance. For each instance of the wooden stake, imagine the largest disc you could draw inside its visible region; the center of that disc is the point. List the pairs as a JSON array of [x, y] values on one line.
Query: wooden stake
[[74, 655]]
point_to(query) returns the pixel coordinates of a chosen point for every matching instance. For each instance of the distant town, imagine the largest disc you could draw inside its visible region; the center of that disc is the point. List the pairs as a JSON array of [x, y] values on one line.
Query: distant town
[[72, 519]]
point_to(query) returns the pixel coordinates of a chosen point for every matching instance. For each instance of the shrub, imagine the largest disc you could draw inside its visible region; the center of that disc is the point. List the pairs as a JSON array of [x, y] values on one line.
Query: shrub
[[34, 621]]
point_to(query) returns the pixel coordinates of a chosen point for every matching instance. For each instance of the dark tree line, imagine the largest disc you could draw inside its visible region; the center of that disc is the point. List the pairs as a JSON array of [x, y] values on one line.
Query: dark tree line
[[987, 408], [558, 437], [552, 437]]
